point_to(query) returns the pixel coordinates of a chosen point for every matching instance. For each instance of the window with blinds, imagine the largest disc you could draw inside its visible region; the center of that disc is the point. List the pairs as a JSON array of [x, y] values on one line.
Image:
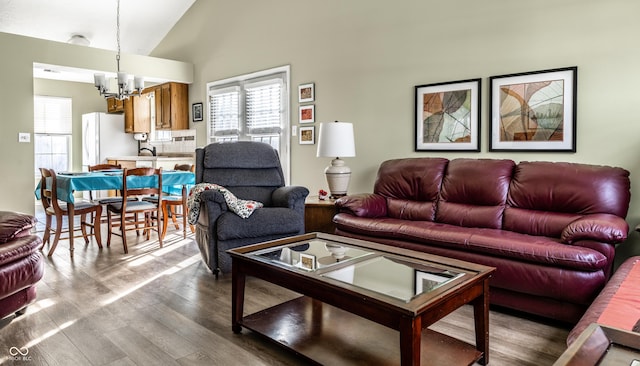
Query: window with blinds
[[52, 127], [252, 107]]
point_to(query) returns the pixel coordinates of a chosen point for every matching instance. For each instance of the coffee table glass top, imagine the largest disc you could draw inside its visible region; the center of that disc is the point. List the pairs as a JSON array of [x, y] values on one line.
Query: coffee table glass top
[[312, 255], [403, 280], [367, 269]]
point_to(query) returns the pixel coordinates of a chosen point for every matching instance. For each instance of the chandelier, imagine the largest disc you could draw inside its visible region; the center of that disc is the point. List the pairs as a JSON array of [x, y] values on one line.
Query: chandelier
[[128, 85]]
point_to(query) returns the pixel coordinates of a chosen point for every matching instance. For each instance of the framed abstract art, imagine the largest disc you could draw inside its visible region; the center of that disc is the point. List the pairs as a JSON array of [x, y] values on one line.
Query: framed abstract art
[[447, 116], [534, 111]]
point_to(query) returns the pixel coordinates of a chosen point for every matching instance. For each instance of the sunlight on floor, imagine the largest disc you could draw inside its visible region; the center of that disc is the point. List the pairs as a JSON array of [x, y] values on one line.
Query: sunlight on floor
[[174, 269]]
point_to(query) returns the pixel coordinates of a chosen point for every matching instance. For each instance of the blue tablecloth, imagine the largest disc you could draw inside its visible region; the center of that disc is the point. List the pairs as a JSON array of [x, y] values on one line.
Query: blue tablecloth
[[172, 182]]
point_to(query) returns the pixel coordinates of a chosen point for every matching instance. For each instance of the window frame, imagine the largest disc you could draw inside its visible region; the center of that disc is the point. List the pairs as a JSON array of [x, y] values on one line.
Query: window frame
[[251, 79]]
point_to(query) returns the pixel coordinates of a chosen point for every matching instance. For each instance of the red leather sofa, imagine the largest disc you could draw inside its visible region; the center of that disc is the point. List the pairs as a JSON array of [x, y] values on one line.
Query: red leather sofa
[[549, 228], [21, 263]]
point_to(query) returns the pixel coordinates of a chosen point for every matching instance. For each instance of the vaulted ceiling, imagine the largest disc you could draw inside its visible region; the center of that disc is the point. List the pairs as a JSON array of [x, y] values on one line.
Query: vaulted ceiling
[[143, 23]]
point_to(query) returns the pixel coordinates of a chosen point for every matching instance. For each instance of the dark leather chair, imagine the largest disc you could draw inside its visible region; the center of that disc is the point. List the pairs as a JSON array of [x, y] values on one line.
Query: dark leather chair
[[21, 263], [251, 171]]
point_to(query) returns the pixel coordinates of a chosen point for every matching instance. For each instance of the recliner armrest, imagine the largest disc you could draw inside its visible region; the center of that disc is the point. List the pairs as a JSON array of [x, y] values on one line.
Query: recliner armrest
[[290, 196], [215, 204], [363, 205]]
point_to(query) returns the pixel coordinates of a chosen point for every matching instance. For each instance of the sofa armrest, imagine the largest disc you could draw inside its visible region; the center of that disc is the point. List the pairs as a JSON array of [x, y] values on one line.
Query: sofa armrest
[[605, 228], [363, 205], [290, 196], [18, 248], [14, 225]]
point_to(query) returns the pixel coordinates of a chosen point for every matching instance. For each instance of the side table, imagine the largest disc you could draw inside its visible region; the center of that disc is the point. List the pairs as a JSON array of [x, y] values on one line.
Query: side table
[[318, 215]]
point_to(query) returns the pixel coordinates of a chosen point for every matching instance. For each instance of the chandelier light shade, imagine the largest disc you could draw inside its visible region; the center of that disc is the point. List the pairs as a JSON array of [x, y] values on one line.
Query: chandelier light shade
[[335, 140], [128, 85]]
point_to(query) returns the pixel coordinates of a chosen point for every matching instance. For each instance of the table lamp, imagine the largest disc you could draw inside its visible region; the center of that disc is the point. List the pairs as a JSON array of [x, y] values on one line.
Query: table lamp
[[335, 139]]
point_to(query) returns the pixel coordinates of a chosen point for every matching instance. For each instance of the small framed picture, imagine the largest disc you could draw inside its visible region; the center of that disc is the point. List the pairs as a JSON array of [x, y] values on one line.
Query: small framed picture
[[307, 114], [305, 93], [308, 261], [307, 135], [196, 111]]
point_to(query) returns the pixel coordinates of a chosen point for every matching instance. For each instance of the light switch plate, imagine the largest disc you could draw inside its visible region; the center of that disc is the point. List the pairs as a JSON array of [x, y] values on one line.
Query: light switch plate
[[24, 137], [294, 130]]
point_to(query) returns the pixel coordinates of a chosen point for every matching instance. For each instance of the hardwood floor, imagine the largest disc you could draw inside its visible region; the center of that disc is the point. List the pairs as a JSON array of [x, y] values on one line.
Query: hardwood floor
[[163, 307]]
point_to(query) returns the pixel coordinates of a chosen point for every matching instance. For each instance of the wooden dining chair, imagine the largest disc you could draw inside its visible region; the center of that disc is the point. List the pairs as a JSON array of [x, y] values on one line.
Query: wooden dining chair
[[171, 201], [104, 200], [124, 215], [59, 209]]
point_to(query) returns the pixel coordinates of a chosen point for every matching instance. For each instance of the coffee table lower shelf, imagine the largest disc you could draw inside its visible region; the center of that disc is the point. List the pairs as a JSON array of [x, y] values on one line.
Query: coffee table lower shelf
[[327, 335]]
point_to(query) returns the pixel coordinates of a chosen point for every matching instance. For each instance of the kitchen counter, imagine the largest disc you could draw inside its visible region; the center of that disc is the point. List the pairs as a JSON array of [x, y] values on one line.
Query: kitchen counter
[[163, 161], [151, 158]]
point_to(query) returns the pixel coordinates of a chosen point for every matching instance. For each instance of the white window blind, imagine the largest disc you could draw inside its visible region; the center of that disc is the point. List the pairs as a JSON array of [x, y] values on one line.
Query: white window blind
[[264, 107], [252, 107], [52, 115], [225, 112]]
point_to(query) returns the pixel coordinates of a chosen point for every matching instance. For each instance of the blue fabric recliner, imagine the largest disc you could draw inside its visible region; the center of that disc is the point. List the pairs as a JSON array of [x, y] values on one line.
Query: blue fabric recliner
[[251, 171]]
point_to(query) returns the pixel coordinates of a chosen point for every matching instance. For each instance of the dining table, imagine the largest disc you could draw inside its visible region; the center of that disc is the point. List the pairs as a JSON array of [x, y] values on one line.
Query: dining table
[[68, 183]]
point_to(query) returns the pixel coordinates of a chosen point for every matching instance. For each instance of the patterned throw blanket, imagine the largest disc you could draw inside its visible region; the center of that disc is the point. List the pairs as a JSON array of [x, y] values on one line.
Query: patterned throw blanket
[[242, 208]]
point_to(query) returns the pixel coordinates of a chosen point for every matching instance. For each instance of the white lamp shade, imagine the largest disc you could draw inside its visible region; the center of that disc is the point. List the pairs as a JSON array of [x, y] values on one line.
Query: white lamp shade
[[335, 139]]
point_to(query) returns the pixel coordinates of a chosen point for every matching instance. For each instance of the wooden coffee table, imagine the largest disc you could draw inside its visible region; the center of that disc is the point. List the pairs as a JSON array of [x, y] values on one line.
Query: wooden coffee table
[[357, 296]]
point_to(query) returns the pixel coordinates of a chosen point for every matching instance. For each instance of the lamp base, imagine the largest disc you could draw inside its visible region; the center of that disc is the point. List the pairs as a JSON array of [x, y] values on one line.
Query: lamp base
[[338, 176]]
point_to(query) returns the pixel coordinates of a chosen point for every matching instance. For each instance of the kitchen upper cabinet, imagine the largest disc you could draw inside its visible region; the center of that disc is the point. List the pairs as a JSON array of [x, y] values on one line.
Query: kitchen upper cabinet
[[172, 106], [115, 105], [137, 114]]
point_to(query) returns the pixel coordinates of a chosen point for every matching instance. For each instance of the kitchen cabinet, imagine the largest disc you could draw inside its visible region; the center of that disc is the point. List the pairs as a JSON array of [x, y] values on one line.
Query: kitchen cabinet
[[172, 106], [115, 105], [137, 114]]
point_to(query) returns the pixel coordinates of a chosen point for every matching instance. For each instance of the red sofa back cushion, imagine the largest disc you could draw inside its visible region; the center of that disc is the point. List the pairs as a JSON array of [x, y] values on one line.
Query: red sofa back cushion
[[545, 197], [411, 186], [474, 192]]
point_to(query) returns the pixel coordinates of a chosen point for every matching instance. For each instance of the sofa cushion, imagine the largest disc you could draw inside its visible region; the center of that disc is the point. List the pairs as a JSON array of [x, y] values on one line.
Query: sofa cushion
[[474, 192], [549, 196], [411, 186], [14, 224], [492, 242]]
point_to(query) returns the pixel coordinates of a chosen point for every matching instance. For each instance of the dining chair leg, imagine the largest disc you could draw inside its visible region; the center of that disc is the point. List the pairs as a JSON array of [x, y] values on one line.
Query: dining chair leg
[[124, 232], [47, 232], [158, 223], [147, 224], [184, 220], [97, 232], [110, 228], [165, 217], [83, 228], [56, 236], [173, 217]]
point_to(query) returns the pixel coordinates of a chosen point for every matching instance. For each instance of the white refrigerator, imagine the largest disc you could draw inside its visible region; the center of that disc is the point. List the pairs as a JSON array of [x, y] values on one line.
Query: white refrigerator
[[103, 136]]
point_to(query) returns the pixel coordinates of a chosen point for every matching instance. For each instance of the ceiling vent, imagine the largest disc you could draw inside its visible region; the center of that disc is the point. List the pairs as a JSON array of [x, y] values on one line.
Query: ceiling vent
[[79, 40]]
